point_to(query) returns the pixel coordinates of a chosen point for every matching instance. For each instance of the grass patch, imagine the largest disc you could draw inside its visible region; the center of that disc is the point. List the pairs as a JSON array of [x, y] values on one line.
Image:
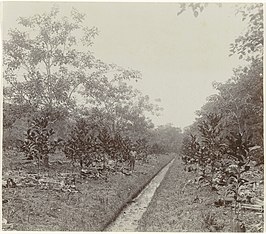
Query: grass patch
[[90, 207], [181, 207]]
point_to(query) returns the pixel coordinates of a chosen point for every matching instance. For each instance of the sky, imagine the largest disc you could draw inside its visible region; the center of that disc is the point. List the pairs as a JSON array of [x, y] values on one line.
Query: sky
[[179, 56]]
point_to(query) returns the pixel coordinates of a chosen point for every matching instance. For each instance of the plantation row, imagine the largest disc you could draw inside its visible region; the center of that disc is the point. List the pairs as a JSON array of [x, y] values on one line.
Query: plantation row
[[229, 166], [69, 101], [224, 146], [71, 104], [220, 161], [87, 144]]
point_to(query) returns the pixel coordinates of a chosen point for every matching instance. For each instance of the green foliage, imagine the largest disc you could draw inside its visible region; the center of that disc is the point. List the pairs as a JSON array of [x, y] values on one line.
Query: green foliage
[[206, 153], [122, 147], [48, 73], [213, 153], [167, 137], [223, 162], [81, 143], [190, 149], [249, 45], [195, 7], [44, 59], [157, 148], [12, 112], [38, 143], [91, 144], [238, 149], [120, 107], [45, 65], [211, 145], [240, 100], [226, 140]]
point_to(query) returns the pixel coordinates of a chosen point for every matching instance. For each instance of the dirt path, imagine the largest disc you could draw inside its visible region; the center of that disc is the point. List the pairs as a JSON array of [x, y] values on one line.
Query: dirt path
[[129, 217]]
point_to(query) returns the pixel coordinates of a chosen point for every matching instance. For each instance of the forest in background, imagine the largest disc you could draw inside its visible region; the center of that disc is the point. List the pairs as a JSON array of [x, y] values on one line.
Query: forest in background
[[59, 99], [53, 82], [75, 131]]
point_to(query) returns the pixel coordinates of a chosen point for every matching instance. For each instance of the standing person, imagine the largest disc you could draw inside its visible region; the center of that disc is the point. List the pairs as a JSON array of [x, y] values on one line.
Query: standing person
[[132, 159]]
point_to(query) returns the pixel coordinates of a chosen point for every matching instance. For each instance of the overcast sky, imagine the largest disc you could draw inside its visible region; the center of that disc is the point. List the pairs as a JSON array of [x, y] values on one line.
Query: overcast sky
[[178, 56]]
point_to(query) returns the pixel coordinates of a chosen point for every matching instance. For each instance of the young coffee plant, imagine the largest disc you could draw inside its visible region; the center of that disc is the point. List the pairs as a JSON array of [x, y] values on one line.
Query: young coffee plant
[[190, 150], [195, 157], [122, 147], [205, 154], [212, 147], [238, 150], [107, 143], [38, 143], [142, 149], [82, 144], [94, 147]]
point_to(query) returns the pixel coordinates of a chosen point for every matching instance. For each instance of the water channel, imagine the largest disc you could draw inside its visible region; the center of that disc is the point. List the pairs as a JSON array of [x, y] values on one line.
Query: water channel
[[128, 219]]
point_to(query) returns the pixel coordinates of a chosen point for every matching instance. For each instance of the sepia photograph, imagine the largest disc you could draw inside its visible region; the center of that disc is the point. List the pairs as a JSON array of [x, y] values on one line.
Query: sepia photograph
[[132, 116]]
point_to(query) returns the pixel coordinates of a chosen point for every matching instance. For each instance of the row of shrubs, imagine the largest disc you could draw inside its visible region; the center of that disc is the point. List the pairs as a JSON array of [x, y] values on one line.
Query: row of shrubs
[[224, 161], [87, 144]]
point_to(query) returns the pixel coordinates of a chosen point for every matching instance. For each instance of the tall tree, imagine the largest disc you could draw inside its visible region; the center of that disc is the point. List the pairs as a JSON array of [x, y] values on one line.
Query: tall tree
[[122, 108], [249, 45], [48, 60], [240, 99]]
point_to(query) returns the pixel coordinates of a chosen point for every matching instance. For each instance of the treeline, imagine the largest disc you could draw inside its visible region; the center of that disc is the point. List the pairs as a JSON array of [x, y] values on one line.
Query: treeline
[[237, 110], [225, 143], [59, 96]]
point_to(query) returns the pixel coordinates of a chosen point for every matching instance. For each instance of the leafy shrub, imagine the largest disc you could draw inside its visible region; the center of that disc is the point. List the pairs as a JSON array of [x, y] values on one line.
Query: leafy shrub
[[81, 144], [38, 143], [157, 148], [95, 147], [12, 136], [223, 162], [190, 149], [142, 149], [238, 149]]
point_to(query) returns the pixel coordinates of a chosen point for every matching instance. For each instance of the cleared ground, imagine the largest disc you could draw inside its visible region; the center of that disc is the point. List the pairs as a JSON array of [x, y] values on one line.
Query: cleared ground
[[45, 204]]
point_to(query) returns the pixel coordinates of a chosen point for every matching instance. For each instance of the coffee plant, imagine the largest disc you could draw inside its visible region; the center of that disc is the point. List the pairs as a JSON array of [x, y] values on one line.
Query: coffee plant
[[108, 143], [211, 150], [122, 147], [222, 160], [38, 143], [95, 147], [142, 149], [238, 149], [82, 144], [190, 149]]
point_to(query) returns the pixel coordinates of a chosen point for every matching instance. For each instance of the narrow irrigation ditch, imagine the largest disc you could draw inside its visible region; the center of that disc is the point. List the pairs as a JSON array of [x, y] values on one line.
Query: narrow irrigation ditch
[[127, 219]]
